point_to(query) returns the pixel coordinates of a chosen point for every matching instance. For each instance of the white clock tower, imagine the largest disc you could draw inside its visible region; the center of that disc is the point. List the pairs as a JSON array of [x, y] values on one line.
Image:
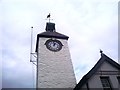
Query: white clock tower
[[54, 65]]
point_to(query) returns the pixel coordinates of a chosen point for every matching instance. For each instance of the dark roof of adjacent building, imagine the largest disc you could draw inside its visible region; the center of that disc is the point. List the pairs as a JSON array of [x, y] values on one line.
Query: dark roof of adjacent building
[[95, 68]]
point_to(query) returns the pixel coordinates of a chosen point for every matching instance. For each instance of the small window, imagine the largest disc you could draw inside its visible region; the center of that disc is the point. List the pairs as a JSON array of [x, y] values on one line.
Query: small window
[[105, 83], [118, 79]]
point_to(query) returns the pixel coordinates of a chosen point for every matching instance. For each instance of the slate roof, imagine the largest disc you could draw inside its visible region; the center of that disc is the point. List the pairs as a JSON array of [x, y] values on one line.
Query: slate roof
[[95, 68], [48, 34]]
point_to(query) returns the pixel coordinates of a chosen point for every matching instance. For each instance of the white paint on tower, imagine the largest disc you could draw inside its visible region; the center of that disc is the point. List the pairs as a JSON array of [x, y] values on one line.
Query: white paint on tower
[[54, 69]]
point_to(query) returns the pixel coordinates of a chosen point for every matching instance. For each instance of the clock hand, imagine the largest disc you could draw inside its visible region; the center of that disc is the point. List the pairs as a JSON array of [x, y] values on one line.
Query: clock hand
[[54, 44]]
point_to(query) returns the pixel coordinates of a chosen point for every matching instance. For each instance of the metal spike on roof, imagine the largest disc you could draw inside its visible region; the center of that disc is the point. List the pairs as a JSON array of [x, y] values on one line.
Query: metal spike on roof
[[101, 51]]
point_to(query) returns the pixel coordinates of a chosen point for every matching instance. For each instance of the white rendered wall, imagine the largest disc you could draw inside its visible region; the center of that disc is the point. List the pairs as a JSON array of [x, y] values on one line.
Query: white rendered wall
[[54, 69]]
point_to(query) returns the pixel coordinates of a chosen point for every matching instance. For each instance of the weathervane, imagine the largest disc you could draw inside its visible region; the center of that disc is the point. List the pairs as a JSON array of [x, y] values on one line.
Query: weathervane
[[48, 16]]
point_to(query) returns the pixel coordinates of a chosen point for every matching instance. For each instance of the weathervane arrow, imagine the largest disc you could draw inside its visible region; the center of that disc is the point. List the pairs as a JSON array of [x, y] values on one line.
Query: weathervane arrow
[[48, 16]]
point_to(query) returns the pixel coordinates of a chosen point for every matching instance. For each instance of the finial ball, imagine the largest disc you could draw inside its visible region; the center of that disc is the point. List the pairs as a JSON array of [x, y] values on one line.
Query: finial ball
[[101, 51]]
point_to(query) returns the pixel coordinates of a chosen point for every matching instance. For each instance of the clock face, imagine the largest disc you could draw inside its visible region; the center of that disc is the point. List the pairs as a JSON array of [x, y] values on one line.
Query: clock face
[[53, 45]]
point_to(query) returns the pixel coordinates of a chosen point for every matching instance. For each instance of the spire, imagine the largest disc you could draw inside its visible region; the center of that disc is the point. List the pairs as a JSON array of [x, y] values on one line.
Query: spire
[[50, 26]]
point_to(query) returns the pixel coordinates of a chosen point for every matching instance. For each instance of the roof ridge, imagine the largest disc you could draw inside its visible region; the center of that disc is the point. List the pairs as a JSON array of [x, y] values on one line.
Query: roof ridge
[[111, 61]]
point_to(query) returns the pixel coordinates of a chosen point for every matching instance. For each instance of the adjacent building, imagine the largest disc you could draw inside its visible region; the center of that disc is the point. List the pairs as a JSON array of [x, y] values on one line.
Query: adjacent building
[[105, 75]]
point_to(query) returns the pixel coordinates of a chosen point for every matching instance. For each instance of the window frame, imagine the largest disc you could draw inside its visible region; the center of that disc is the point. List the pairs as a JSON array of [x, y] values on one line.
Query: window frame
[[118, 78], [106, 86]]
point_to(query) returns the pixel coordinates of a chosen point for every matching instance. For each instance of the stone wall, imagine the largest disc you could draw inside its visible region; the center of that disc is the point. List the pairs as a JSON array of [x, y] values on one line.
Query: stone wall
[[54, 69]]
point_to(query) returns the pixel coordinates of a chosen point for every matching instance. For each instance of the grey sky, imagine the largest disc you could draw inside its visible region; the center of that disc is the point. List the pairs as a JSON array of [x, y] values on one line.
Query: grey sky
[[90, 24]]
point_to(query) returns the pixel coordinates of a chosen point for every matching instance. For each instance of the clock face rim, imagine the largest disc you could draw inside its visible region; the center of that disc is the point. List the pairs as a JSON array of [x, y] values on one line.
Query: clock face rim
[[55, 48]]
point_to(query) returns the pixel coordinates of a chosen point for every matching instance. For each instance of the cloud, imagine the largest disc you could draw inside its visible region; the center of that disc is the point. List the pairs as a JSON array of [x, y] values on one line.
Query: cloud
[[91, 25]]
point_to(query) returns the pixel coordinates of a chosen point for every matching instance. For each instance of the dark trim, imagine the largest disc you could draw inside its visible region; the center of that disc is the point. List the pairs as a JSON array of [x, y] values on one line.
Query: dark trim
[[87, 86], [107, 73], [54, 34], [45, 36], [37, 73], [118, 78]]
